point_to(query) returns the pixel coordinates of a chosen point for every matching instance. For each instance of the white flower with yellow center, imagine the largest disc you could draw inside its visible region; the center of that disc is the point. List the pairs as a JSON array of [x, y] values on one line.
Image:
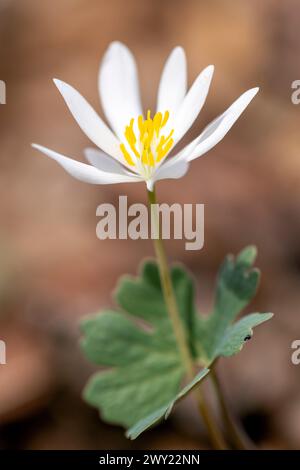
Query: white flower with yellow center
[[137, 147]]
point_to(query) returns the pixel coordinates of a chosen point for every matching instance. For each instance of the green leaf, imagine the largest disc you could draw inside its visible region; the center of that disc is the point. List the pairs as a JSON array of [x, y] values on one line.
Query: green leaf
[[236, 335], [138, 346], [237, 282], [142, 368], [164, 411]]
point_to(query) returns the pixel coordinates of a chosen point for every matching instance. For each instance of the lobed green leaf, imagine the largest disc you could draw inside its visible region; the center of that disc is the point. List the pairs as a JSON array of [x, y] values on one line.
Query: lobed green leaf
[[142, 369]]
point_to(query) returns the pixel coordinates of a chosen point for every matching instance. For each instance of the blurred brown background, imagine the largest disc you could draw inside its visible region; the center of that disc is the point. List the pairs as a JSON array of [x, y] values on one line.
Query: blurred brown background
[[54, 270]]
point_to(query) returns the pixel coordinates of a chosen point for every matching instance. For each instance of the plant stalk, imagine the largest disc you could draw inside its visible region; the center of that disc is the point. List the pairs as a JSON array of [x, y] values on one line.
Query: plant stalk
[[238, 437], [179, 331]]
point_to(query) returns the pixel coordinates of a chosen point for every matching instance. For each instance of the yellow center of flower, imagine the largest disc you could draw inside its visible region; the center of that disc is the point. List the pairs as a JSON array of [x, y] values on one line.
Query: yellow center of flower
[[145, 143]]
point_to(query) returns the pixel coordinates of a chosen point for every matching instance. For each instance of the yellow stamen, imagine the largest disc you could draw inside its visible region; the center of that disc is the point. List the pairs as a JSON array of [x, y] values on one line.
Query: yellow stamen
[[151, 159], [147, 145], [163, 152], [157, 122], [131, 138], [145, 157], [127, 155], [141, 124], [165, 119]]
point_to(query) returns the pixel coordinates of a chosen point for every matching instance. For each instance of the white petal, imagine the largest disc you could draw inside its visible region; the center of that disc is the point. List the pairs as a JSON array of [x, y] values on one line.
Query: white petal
[[104, 162], [217, 129], [192, 103], [84, 172], [173, 82], [119, 88], [177, 170], [89, 121]]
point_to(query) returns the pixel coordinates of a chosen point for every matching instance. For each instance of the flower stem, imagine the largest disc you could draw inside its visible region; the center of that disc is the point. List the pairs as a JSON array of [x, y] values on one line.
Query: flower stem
[[238, 437], [179, 331]]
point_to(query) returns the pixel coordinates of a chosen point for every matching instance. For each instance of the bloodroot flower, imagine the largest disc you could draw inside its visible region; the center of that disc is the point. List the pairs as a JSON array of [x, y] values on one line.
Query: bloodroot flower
[[140, 147]]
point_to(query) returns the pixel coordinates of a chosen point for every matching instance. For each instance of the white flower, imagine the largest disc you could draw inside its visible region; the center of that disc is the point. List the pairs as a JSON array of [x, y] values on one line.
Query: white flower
[[138, 148]]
